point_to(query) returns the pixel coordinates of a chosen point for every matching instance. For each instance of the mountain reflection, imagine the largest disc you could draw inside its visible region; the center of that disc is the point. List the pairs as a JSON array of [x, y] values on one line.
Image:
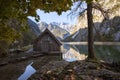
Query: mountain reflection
[[108, 53], [71, 53]]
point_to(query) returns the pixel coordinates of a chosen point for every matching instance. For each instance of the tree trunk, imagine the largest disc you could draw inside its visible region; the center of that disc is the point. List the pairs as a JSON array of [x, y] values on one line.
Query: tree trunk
[[91, 54]]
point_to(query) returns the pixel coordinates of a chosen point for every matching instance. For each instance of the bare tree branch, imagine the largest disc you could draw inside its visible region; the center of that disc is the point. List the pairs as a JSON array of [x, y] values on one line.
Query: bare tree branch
[[75, 12], [97, 6]]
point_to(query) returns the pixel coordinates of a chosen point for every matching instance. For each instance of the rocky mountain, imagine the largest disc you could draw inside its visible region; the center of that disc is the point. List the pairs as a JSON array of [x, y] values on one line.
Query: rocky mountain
[[55, 28], [110, 32], [60, 30], [105, 29], [33, 26], [67, 27]]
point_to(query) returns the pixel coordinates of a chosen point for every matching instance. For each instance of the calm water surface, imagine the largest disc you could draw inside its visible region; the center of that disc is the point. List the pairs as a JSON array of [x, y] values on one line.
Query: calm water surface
[[28, 72], [107, 53]]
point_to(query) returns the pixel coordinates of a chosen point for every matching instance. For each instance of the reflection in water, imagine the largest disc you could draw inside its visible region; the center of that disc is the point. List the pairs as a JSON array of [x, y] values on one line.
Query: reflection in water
[[28, 72], [72, 54], [108, 53], [103, 52]]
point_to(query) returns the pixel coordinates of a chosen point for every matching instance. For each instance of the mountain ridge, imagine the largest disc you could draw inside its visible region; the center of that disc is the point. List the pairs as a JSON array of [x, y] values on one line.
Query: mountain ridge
[[60, 30]]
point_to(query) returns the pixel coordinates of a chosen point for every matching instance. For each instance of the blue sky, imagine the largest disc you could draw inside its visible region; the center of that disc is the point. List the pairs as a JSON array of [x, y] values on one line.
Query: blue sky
[[54, 17]]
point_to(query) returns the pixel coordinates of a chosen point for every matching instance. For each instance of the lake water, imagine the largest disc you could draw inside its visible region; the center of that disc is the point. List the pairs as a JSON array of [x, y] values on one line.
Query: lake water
[[28, 72], [107, 53]]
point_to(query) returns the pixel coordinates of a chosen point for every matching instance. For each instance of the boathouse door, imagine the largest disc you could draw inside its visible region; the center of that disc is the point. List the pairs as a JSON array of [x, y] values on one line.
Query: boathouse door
[[45, 46]]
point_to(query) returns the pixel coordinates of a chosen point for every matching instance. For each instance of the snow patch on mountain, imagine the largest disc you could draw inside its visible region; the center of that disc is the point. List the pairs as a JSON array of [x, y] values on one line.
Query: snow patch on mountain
[[75, 34]]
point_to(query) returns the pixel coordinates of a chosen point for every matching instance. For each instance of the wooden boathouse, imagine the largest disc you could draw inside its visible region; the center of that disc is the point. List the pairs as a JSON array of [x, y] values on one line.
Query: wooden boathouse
[[47, 43]]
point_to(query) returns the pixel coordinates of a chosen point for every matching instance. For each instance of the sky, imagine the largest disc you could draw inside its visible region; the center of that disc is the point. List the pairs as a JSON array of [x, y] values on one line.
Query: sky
[[54, 17]]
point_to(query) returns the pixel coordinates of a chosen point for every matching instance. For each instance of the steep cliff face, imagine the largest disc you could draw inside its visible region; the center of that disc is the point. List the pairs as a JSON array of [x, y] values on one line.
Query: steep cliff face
[[104, 29]]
